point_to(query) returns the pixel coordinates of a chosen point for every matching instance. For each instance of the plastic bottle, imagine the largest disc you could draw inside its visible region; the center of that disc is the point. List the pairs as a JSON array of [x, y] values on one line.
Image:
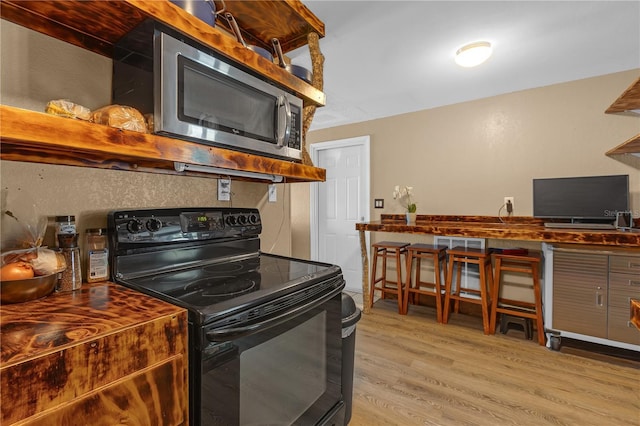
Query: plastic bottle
[[97, 255]]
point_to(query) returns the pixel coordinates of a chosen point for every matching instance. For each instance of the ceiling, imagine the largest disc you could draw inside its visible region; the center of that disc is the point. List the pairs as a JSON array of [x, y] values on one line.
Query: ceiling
[[384, 58]]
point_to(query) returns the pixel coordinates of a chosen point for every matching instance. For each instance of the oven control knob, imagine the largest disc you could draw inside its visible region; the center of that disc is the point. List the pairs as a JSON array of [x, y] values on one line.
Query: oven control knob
[[231, 220], [242, 220], [253, 219], [154, 225], [134, 226]]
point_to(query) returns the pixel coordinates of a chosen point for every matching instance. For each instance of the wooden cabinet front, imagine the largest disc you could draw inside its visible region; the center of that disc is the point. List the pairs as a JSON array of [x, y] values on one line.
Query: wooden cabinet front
[[147, 397], [103, 355]]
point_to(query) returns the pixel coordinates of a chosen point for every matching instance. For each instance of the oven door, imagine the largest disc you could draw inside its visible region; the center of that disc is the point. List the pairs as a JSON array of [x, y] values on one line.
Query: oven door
[[285, 370]]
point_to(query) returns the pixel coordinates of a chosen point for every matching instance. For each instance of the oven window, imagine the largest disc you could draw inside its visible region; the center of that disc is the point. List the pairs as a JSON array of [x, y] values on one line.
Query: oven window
[[281, 378], [285, 374], [211, 99]]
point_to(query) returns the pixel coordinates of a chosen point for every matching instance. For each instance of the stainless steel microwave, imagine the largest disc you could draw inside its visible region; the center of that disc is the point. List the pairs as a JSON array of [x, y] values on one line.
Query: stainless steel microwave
[[200, 96]]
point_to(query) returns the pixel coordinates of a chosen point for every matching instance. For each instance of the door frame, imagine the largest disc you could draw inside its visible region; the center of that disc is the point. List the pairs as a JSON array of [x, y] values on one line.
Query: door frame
[[314, 149]]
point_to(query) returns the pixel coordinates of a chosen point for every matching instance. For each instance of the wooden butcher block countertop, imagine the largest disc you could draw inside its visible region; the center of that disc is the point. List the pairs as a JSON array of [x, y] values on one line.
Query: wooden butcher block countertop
[[104, 354], [509, 228]]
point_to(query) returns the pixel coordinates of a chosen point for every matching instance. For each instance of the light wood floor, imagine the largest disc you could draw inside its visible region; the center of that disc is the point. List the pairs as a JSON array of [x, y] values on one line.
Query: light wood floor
[[410, 370]]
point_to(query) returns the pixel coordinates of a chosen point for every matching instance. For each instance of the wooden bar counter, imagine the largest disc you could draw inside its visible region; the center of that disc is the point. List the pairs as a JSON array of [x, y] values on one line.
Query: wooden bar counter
[[507, 228], [102, 355]]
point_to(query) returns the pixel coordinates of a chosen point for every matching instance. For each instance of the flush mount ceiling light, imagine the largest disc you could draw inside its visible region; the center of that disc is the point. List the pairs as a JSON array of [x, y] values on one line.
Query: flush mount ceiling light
[[473, 54]]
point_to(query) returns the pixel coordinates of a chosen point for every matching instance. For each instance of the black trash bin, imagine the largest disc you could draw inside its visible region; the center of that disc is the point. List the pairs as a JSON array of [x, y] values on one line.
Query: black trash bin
[[350, 316]]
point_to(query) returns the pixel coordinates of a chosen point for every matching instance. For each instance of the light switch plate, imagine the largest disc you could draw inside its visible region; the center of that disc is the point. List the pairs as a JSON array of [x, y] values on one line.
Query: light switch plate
[[224, 189], [378, 203], [273, 193]]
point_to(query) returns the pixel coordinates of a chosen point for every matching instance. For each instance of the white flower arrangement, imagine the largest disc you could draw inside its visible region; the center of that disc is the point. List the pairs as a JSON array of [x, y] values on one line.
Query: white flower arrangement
[[403, 194]]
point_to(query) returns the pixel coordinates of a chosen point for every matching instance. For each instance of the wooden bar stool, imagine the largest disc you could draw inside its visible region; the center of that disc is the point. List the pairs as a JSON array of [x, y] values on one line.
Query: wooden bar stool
[[438, 256], [388, 250], [459, 256], [526, 263]]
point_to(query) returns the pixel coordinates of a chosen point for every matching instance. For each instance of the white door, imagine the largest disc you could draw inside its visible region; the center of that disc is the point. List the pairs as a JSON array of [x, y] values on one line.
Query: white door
[[339, 203]]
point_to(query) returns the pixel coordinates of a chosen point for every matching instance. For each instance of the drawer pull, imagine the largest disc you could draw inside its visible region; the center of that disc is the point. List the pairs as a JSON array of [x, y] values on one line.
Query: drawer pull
[[634, 283], [633, 265], [599, 298]]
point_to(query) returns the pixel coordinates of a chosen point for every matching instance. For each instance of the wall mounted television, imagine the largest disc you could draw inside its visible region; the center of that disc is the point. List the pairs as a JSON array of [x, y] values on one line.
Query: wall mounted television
[[594, 199]]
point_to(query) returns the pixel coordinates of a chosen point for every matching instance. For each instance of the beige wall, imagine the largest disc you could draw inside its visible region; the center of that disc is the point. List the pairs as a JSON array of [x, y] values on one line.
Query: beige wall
[[36, 69], [463, 159]]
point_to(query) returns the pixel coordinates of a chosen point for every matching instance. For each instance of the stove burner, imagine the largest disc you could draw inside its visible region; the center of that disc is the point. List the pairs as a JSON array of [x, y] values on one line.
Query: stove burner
[[208, 290], [224, 268], [220, 286]]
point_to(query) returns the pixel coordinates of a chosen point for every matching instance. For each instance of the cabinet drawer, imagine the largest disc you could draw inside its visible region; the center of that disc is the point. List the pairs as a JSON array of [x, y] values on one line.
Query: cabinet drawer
[[620, 327], [55, 379], [623, 287], [625, 264], [151, 397]]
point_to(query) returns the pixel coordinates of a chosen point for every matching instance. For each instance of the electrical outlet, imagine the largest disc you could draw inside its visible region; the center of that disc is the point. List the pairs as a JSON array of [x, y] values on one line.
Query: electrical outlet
[[273, 193], [224, 189], [511, 200]]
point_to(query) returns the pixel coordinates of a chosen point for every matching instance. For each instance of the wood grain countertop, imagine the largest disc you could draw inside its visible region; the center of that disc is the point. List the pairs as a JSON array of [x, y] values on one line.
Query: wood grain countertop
[[634, 306], [61, 320], [507, 228]]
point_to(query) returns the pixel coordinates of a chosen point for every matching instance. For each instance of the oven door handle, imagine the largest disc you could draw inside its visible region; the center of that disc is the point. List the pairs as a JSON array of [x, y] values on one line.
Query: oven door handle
[[226, 334]]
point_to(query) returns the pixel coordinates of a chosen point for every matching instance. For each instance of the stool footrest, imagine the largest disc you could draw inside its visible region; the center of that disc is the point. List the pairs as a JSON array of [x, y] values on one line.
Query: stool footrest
[[523, 269], [517, 313], [516, 303]]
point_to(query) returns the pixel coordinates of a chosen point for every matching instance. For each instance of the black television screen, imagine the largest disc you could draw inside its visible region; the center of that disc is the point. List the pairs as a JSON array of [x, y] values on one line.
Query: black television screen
[[596, 198]]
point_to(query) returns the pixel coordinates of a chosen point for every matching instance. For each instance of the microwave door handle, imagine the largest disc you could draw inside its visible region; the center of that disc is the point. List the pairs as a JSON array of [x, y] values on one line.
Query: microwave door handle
[[231, 333], [284, 115]]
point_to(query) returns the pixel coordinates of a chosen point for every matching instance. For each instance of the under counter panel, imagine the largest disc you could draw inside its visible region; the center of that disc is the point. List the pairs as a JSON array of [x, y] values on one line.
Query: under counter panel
[[580, 293], [103, 354]]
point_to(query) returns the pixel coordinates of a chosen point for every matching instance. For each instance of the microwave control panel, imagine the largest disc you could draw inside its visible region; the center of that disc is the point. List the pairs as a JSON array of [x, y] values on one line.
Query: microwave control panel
[[295, 137]]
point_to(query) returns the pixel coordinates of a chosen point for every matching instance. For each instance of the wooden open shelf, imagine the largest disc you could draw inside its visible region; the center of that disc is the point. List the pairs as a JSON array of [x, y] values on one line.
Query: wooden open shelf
[[261, 20], [42, 138], [631, 146], [629, 100], [98, 25]]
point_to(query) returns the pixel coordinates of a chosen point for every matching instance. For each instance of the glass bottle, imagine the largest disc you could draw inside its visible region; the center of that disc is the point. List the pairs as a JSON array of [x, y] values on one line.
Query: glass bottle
[[65, 225], [71, 277], [96, 255]]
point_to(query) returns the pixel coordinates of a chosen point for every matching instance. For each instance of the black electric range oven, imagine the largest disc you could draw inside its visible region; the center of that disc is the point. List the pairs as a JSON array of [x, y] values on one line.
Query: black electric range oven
[[264, 330]]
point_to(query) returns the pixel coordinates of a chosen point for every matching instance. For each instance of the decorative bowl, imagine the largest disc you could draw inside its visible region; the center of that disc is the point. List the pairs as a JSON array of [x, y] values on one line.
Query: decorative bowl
[[17, 291]]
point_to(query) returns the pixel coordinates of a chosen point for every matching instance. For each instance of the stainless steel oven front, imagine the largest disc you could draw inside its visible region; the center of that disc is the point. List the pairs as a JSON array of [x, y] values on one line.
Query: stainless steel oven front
[[194, 93], [281, 371]]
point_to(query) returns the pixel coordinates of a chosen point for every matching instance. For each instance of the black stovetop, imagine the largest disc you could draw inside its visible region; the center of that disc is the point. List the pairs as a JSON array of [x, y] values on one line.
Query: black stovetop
[[205, 260], [224, 288]]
